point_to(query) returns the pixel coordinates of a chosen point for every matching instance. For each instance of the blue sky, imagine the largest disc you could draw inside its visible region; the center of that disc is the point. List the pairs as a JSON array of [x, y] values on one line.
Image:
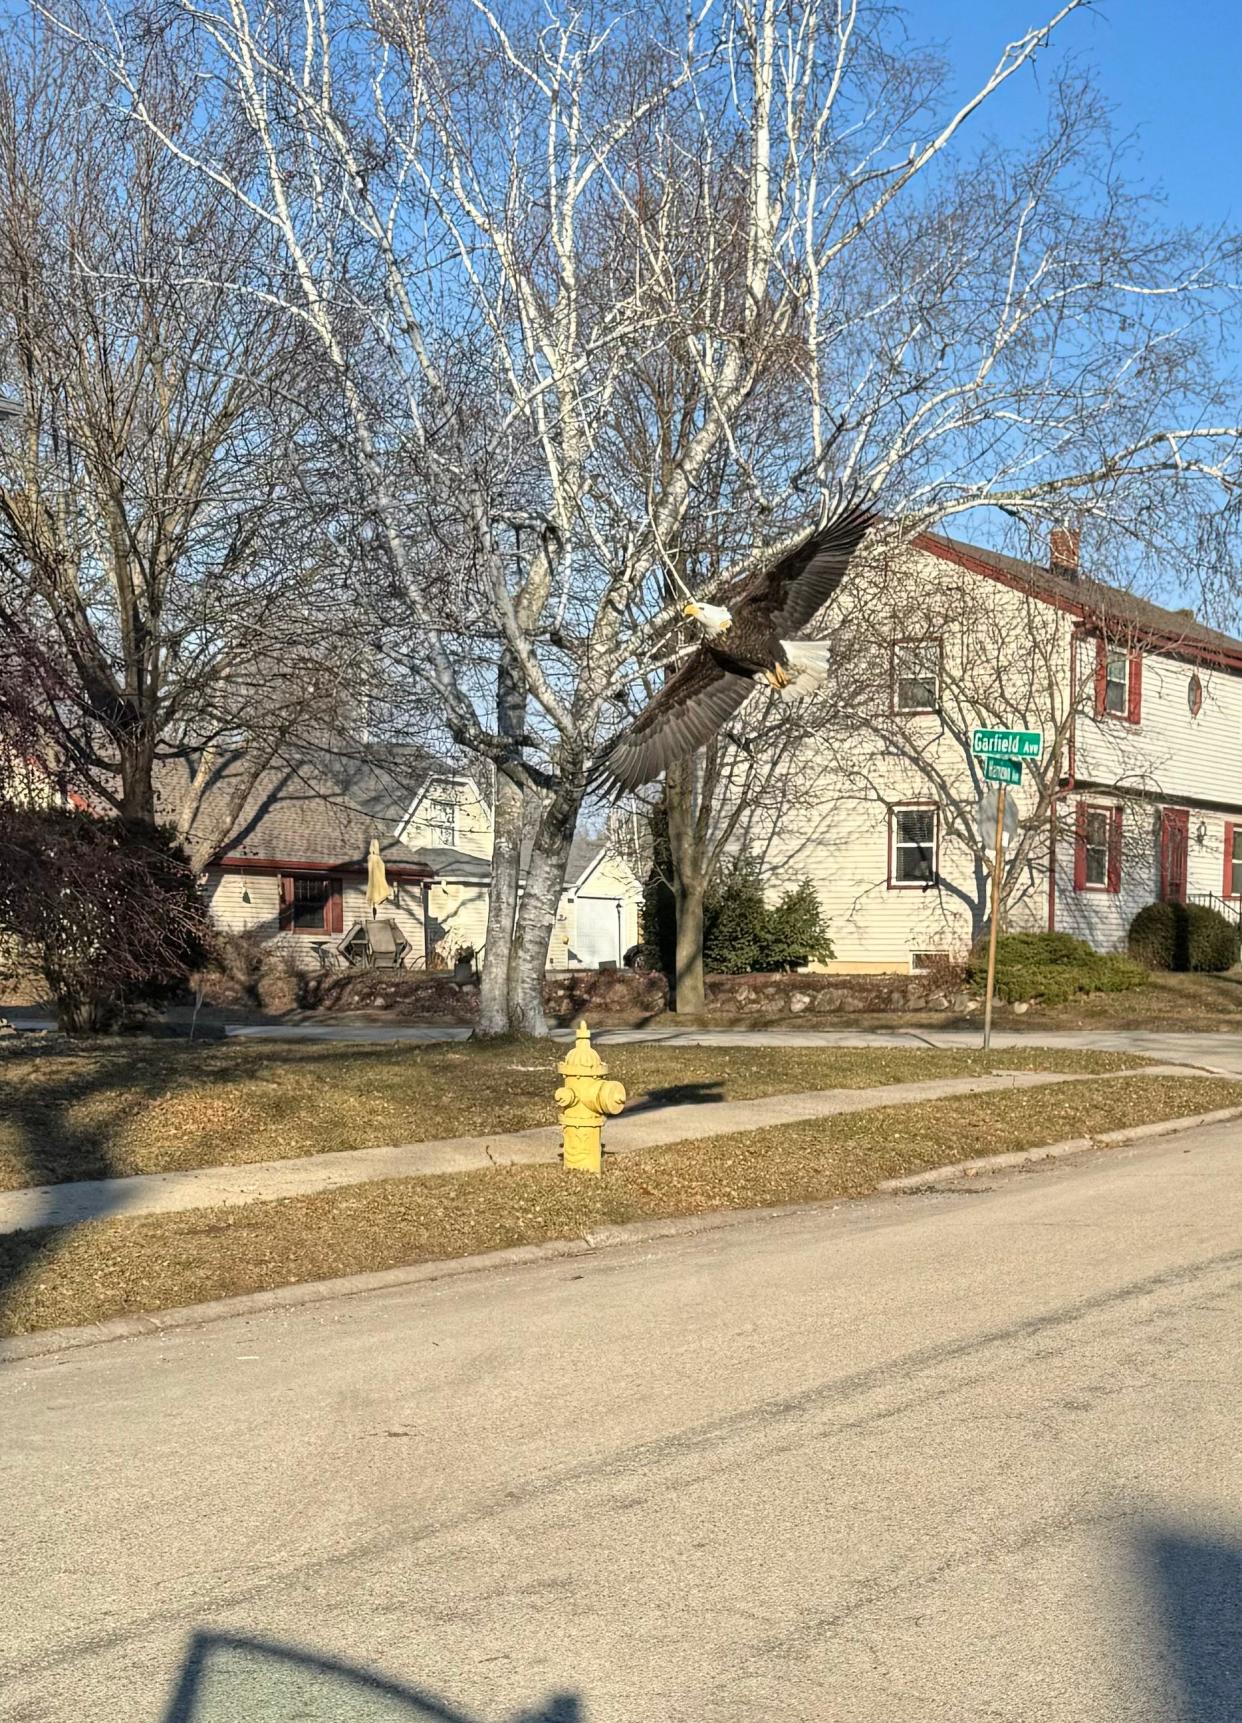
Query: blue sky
[[1171, 71]]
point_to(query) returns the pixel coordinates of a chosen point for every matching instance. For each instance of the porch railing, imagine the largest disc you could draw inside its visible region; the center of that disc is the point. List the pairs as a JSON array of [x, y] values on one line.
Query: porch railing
[[1226, 906]]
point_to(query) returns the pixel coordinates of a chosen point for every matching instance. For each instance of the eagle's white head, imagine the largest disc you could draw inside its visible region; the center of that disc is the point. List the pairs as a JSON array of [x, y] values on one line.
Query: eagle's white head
[[713, 619]]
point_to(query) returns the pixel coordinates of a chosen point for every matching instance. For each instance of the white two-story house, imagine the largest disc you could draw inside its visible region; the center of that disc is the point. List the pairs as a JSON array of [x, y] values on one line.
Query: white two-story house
[[1137, 795]]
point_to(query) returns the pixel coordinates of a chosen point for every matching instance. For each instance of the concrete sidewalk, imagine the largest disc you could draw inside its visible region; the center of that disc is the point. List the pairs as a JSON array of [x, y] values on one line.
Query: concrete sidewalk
[[642, 1128]]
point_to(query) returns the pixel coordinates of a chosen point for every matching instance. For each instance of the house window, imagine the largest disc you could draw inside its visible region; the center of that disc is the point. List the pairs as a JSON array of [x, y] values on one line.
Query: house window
[[923, 962], [1194, 696], [1118, 682], [1097, 857], [913, 834], [442, 820], [310, 903], [916, 675], [1233, 860]]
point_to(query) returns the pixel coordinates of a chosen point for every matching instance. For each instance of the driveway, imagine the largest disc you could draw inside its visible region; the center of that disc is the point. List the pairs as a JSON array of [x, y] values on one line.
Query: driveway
[[935, 1459]]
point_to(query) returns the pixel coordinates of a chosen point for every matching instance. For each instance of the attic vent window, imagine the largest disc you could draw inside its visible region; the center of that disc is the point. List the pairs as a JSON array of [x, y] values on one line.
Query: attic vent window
[[1194, 696], [442, 818]]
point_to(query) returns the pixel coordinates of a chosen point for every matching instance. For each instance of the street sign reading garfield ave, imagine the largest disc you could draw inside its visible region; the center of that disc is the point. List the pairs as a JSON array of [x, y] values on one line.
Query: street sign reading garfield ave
[[1017, 744]]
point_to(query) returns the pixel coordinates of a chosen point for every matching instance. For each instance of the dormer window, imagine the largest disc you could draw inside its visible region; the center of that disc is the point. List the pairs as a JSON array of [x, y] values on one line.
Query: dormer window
[[442, 819]]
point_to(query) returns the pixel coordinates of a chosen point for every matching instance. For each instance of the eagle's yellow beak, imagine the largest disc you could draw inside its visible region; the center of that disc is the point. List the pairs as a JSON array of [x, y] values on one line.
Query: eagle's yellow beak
[[690, 609]]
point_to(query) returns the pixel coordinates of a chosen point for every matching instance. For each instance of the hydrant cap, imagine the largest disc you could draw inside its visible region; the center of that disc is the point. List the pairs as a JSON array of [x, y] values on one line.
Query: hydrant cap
[[583, 1060]]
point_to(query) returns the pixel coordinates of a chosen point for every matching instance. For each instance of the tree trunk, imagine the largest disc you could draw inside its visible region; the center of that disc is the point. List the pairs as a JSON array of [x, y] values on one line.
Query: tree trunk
[[136, 753], [691, 993], [545, 880], [494, 1014], [687, 853], [508, 808]]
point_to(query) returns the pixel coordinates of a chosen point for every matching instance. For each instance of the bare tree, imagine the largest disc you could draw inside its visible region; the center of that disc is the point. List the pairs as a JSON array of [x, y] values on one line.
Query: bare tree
[[490, 221], [162, 570]]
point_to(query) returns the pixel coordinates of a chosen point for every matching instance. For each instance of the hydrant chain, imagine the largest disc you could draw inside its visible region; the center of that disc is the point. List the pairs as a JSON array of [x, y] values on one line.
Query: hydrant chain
[[585, 1099]]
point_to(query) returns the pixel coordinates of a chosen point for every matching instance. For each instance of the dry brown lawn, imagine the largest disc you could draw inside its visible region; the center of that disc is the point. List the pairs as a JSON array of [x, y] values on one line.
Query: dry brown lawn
[[110, 1267], [159, 1106]]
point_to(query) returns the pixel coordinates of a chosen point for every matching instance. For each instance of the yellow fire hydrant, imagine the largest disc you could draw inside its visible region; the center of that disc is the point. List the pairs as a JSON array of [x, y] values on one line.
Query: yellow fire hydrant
[[586, 1099]]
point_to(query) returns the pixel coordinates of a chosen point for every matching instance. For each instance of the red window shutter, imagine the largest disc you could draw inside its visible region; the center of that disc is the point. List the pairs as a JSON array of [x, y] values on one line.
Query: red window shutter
[[1227, 888], [336, 919], [1114, 850], [1080, 848], [1101, 676], [1134, 688], [286, 901]]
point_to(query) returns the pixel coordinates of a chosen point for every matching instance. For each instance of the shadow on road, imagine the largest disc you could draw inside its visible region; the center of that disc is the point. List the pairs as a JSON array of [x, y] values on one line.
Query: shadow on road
[[1195, 1580], [227, 1678]]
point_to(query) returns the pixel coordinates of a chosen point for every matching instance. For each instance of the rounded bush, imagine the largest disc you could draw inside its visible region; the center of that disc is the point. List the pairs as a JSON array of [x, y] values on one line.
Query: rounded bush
[[1184, 936]]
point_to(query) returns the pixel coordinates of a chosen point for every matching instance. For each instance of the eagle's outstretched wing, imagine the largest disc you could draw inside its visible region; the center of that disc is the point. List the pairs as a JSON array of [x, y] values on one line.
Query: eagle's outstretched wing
[[790, 592], [688, 711]]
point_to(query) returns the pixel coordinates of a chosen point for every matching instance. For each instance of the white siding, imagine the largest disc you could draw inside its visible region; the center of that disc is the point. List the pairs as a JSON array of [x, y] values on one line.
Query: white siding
[[1008, 660], [473, 819], [226, 891], [1103, 918], [457, 917], [1168, 752]]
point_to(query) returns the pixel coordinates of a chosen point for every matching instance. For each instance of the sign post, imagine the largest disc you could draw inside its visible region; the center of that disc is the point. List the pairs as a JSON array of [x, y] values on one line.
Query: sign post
[[998, 849], [1002, 753]]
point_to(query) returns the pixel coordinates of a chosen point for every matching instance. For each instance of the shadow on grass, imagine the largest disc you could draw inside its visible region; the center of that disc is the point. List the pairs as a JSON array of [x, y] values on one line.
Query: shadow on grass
[[1195, 1579], [65, 1106], [678, 1095], [227, 1678]]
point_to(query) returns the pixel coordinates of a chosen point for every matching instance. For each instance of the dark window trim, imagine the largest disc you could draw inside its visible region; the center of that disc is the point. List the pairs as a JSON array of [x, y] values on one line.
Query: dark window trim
[[1233, 828], [333, 909], [1104, 650], [1111, 883], [895, 884]]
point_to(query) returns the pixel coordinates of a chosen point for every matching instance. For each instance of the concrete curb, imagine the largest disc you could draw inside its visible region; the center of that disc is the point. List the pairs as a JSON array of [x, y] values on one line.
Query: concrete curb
[[1055, 1151], [47, 1340], [51, 1340]]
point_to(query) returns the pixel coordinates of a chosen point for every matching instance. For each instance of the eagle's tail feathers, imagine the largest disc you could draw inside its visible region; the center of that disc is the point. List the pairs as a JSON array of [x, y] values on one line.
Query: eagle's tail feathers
[[808, 666]]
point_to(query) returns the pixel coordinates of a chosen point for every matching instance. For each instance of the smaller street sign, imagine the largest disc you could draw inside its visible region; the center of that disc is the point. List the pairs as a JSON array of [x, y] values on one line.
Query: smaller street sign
[[1016, 744], [1002, 771]]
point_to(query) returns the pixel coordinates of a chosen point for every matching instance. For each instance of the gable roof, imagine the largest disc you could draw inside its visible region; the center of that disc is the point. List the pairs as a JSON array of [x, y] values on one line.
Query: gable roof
[[1108, 607], [318, 812]]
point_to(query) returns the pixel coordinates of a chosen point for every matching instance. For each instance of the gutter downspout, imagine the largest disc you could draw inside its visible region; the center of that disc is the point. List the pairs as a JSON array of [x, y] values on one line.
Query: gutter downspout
[[1077, 634]]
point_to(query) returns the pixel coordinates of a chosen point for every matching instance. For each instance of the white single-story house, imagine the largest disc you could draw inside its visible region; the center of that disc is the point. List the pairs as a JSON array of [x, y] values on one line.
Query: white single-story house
[[294, 870]]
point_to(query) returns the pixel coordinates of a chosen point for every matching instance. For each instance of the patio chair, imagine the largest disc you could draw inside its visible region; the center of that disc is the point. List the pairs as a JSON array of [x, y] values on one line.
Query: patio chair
[[374, 945]]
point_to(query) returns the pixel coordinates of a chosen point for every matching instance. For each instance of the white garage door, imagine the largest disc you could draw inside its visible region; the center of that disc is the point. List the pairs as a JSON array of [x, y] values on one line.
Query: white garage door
[[596, 931]]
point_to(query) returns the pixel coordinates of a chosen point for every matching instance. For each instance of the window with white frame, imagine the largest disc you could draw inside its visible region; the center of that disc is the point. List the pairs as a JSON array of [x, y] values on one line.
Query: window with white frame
[[1096, 828], [916, 675], [1117, 683], [923, 962], [912, 860], [441, 818]]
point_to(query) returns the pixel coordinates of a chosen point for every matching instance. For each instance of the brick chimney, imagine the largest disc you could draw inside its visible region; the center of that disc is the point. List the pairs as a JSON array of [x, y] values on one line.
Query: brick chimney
[[1063, 551]]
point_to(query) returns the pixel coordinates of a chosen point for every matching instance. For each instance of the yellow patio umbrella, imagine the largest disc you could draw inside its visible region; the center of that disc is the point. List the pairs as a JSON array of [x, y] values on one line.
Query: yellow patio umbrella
[[378, 888]]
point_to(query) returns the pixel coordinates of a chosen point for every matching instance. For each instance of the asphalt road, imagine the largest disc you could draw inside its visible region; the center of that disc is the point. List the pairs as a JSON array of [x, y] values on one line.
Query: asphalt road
[[966, 1457]]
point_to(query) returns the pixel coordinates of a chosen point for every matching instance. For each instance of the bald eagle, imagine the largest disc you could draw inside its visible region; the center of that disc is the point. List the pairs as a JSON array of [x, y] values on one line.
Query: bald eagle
[[743, 642]]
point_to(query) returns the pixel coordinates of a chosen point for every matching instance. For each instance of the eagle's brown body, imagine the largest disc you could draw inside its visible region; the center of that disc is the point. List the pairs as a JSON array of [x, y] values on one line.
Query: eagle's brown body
[[719, 676]]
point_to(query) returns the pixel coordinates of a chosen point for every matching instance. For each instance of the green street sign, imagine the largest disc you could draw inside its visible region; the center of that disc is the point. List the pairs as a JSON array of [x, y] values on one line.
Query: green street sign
[[1017, 744], [1003, 771]]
